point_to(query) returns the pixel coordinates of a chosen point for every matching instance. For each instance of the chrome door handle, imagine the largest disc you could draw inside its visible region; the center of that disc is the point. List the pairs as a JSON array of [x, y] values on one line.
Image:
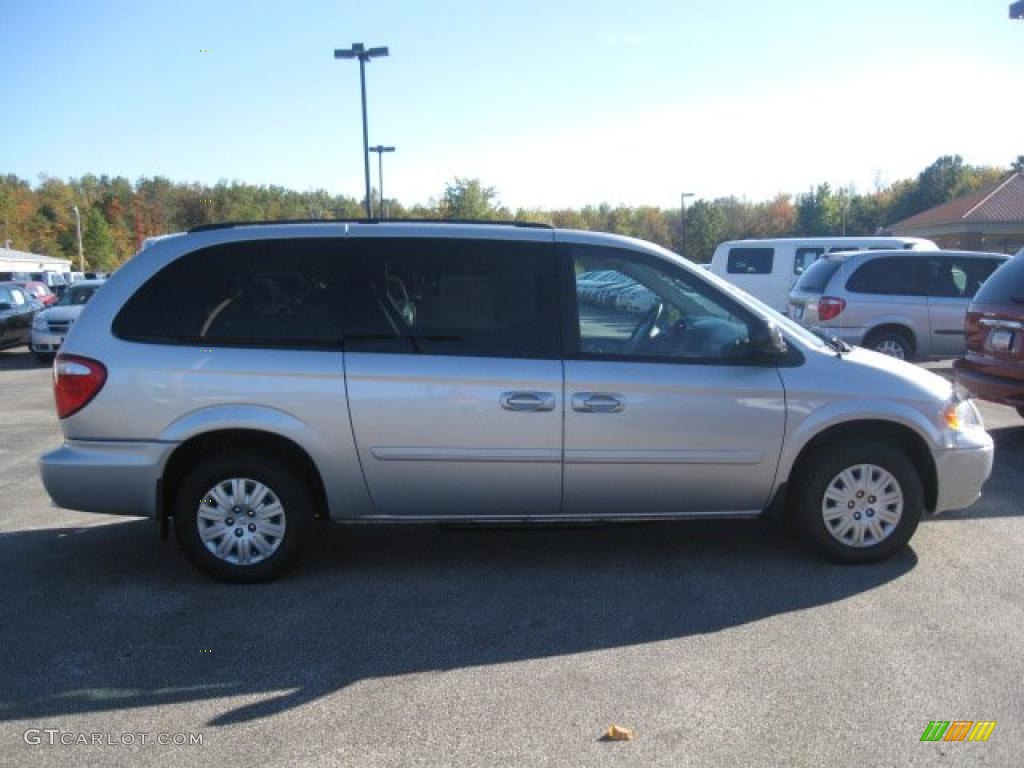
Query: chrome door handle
[[598, 402], [527, 401]]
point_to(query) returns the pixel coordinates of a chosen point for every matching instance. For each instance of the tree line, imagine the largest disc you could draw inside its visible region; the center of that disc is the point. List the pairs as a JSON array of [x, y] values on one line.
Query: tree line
[[118, 214]]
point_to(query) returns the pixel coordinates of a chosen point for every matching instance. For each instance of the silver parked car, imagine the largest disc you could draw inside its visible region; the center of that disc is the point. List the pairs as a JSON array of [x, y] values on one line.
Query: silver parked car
[[245, 380], [907, 304]]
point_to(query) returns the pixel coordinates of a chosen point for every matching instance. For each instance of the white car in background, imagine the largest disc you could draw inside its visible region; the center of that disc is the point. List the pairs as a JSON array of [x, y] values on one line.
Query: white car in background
[[51, 325]]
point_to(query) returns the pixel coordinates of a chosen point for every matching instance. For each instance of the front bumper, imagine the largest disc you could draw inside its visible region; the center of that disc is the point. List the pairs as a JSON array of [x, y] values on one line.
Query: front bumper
[[113, 477], [963, 470], [46, 341]]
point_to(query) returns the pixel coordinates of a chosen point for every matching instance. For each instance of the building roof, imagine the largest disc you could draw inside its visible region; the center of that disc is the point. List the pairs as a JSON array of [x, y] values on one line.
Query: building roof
[[11, 253], [1001, 203]]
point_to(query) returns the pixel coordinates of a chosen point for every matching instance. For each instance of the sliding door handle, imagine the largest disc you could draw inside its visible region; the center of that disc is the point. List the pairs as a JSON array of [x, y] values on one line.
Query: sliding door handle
[[527, 401], [598, 402]]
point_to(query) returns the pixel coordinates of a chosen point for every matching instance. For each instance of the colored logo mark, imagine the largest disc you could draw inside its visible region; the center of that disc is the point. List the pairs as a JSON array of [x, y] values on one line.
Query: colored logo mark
[[958, 730]]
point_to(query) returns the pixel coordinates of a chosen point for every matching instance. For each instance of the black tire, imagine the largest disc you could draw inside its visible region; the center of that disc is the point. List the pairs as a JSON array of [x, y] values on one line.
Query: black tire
[[886, 338], [826, 466], [288, 486]]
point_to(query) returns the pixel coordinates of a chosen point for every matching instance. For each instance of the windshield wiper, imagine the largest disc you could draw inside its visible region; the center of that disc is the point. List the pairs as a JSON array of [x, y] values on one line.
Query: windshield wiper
[[837, 344]]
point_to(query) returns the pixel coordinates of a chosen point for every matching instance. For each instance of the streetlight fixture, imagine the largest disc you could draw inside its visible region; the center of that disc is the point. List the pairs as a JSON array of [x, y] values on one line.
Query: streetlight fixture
[[682, 221], [78, 233], [364, 54], [380, 149]]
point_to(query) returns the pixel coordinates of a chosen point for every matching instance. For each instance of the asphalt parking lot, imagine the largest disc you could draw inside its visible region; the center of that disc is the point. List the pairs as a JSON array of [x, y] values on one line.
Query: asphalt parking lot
[[722, 644]]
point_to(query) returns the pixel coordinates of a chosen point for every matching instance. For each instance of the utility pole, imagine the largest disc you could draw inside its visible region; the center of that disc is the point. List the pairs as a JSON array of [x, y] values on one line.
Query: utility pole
[[682, 222], [359, 51], [78, 233], [380, 149]]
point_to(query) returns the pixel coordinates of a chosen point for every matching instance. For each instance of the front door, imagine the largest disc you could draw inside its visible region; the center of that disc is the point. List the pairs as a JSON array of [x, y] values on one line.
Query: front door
[[666, 411], [454, 376]]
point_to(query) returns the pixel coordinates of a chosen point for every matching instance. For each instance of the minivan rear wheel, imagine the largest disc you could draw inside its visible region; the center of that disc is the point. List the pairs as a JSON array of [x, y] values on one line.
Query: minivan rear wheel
[[859, 502], [892, 343], [242, 518]]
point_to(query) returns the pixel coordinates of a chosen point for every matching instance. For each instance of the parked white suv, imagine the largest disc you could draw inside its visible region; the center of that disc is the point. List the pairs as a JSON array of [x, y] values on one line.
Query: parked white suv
[[244, 380]]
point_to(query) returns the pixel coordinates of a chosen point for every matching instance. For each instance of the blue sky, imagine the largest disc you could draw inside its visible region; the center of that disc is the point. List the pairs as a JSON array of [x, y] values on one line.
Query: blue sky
[[562, 103]]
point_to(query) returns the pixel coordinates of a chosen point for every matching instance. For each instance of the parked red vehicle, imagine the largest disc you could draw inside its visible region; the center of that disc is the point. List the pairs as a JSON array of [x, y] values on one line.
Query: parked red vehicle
[[40, 292], [993, 368]]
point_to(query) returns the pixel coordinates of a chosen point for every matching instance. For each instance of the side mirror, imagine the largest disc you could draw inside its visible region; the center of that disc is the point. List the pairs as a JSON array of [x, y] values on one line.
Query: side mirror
[[768, 343]]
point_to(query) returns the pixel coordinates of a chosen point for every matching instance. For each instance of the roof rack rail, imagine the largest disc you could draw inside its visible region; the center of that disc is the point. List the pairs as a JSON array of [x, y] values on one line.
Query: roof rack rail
[[267, 223]]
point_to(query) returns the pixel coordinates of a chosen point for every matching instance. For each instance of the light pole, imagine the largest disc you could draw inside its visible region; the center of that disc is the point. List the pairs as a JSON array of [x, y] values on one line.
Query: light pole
[[846, 206], [380, 149], [78, 233], [682, 221], [359, 51]]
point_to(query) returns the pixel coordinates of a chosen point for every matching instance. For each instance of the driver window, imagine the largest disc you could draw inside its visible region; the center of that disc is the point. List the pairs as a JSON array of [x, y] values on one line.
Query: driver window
[[630, 306]]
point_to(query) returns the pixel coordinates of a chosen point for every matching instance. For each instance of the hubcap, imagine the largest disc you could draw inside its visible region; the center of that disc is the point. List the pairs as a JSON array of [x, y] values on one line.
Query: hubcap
[[862, 505], [892, 348], [241, 521]]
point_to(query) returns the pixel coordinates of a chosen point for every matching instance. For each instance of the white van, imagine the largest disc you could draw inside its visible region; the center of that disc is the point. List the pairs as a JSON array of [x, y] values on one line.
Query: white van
[[766, 269]]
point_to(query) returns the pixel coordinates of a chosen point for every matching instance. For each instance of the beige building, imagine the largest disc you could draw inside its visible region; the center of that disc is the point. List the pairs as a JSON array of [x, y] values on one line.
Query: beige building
[[991, 219]]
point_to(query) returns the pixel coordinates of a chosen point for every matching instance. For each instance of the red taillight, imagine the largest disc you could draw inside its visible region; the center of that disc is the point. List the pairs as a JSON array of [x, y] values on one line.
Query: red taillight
[[76, 381], [829, 307], [974, 332]]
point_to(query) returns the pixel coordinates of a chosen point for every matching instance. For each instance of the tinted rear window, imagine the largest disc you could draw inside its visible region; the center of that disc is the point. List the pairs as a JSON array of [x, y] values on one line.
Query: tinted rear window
[[892, 276], [816, 277], [750, 261], [489, 298], [1006, 285], [262, 293]]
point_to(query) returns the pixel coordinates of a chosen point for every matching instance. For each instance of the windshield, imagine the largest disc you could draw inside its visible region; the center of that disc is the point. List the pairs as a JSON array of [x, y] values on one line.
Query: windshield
[[77, 294], [784, 323], [766, 312]]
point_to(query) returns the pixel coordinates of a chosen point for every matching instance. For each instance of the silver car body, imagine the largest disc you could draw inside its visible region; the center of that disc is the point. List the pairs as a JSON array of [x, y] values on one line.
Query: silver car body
[[430, 437], [781, 260], [934, 323]]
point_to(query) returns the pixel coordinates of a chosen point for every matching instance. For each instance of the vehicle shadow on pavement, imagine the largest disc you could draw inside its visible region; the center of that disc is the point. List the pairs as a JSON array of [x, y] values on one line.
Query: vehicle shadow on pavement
[[106, 617], [1003, 493], [18, 359]]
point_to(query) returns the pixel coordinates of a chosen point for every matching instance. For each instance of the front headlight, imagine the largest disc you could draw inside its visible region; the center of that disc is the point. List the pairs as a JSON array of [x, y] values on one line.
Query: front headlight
[[960, 414], [39, 323]]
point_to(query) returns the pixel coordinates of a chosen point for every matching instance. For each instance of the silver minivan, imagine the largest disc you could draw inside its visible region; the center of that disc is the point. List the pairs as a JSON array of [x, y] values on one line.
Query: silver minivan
[[907, 304], [245, 381]]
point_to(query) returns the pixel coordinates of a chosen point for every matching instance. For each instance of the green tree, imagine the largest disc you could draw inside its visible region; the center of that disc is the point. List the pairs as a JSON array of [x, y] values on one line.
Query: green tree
[[98, 243], [819, 212], [470, 199], [705, 226]]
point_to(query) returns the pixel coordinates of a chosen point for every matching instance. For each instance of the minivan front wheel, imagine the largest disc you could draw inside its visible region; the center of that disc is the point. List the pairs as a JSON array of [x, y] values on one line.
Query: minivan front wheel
[[242, 518], [859, 502]]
